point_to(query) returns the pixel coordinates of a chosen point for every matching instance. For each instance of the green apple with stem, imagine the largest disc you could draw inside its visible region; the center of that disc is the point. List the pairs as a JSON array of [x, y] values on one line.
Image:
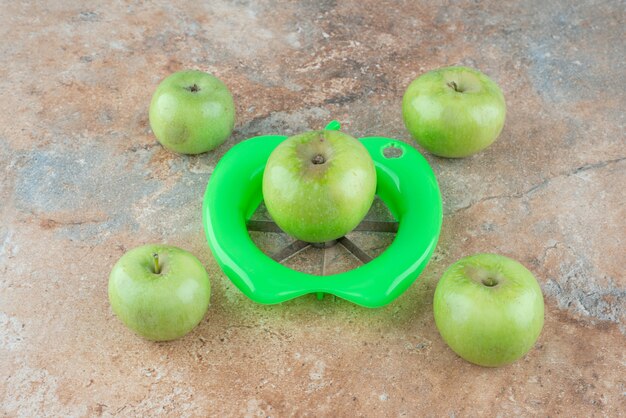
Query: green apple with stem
[[319, 185], [192, 112], [454, 111], [158, 291], [489, 309]]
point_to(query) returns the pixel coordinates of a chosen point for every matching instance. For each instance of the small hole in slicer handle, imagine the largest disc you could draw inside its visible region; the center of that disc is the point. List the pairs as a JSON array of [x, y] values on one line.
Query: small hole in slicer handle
[[392, 151]]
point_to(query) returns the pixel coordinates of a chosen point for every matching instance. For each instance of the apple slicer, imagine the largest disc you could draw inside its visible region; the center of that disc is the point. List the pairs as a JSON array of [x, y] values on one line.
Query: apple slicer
[[406, 185]]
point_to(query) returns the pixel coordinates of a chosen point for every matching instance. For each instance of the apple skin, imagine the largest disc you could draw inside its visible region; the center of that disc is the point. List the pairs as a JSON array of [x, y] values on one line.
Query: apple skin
[[192, 112], [164, 306], [489, 325], [324, 201], [451, 123]]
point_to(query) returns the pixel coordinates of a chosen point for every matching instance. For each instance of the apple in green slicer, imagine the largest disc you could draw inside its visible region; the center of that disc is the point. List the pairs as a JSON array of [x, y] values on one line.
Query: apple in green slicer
[[192, 112], [160, 292], [319, 185], [489, 309], [454, 111]]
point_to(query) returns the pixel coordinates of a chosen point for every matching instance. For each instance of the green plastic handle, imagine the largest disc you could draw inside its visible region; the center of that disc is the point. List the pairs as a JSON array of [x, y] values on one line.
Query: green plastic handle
[[333, 125], [406, 184]]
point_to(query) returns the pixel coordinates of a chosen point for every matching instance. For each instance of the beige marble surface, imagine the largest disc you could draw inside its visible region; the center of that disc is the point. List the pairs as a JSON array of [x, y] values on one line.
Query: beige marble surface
[[83, 180]]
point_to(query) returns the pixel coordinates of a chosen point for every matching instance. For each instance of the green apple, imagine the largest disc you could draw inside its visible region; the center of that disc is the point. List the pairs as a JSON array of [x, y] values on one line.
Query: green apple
[[192, 112], [160, 292], [489, 309], [319, 185], [454, 111]]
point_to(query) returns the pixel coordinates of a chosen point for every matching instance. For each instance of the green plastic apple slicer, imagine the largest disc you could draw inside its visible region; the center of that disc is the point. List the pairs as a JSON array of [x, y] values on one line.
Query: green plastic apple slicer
[[405, 183]]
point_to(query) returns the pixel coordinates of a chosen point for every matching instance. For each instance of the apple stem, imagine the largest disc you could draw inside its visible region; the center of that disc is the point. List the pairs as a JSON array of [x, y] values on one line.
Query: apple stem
[[490, 282], [453, 86], [157, 268]]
